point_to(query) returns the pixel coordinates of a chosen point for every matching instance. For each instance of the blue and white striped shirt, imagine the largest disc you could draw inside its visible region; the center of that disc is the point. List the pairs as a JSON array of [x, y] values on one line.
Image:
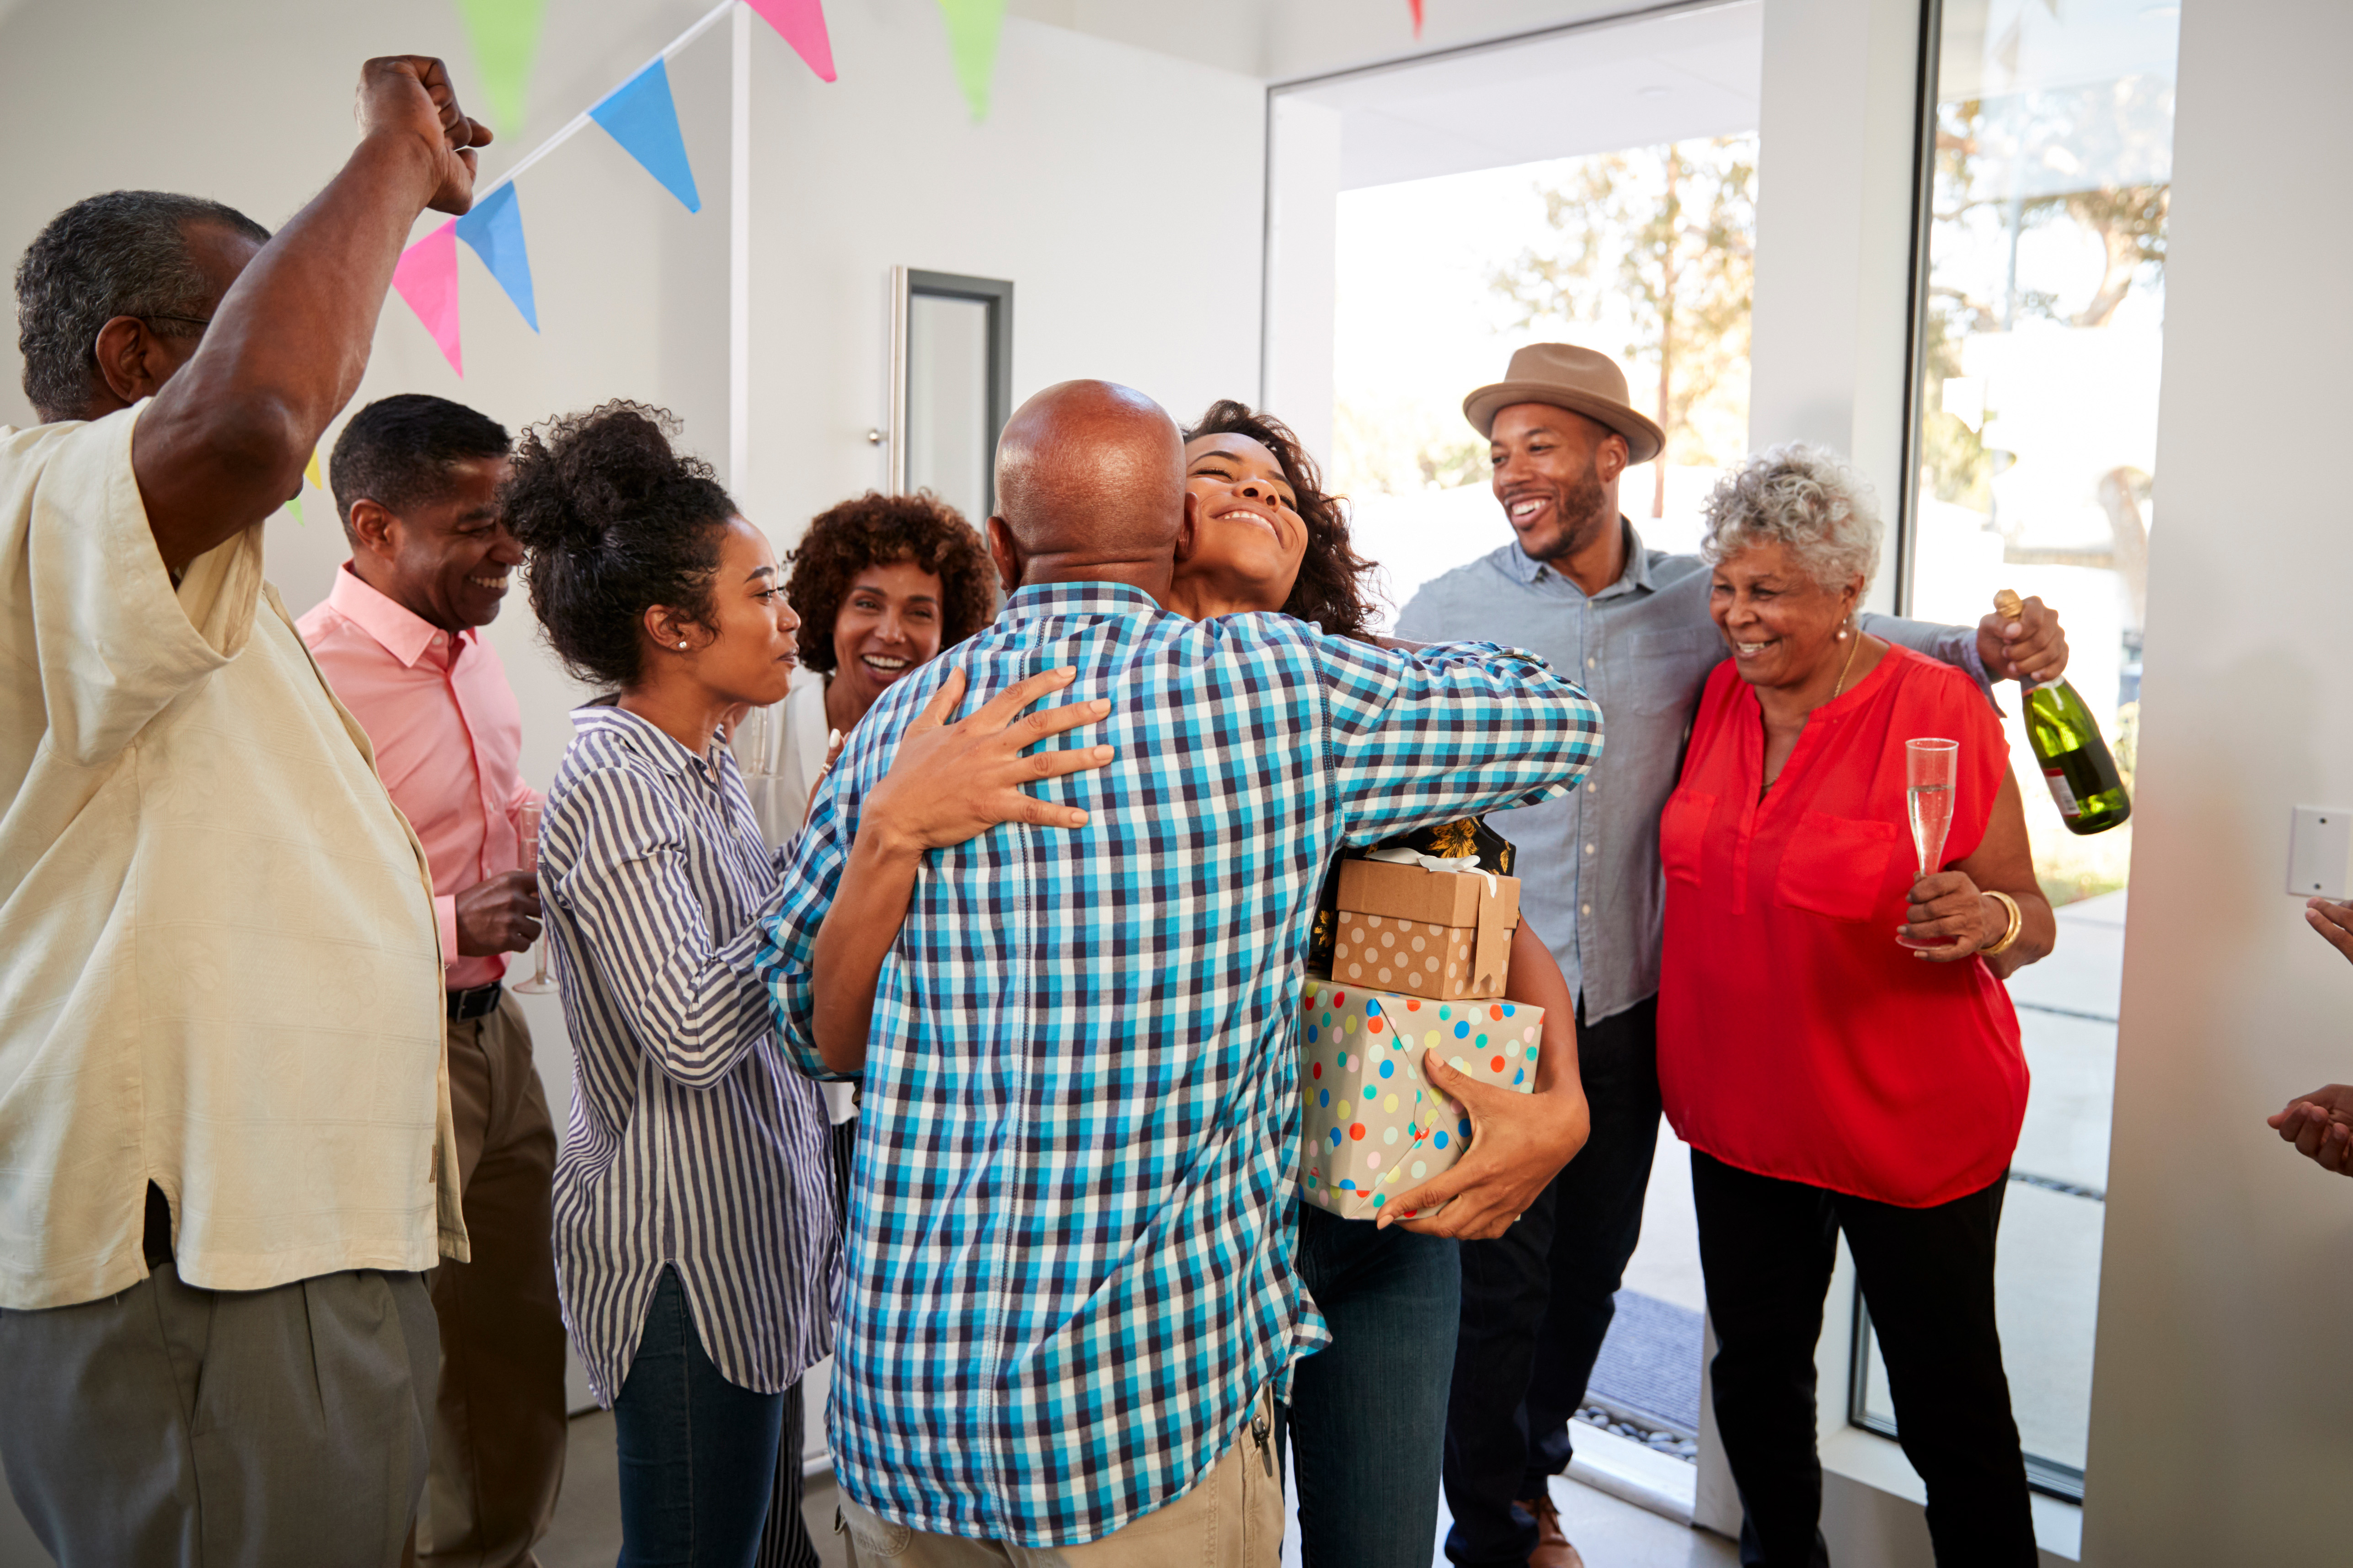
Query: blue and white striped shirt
[[691, 1144], [1069, 1260]]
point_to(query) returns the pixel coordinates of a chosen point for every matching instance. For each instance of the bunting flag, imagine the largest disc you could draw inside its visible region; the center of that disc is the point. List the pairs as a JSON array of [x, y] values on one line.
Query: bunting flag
[[426, 277], [643, 118], [310, 476], [505, 37], [801, 23], [973, 28], [1416, 17], [493, 230]]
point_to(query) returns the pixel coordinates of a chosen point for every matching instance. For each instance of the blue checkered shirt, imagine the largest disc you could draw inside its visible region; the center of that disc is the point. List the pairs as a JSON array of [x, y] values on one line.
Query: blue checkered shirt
[[1068, 1257]]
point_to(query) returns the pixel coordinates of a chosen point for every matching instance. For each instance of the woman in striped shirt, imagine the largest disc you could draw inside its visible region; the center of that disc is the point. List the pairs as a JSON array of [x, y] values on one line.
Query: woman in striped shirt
[[694, 1232]]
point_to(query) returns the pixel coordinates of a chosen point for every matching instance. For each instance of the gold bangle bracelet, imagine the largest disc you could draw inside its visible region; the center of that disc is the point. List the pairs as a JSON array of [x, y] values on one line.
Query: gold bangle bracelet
[[2017, 922]]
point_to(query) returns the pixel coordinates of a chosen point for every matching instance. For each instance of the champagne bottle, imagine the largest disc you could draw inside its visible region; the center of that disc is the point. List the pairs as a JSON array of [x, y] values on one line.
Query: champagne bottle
[[2075, 760]]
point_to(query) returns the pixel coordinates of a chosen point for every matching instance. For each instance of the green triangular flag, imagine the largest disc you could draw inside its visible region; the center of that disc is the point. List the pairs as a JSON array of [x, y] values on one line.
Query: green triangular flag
[[505, 35], [973, 26], [295, 505]]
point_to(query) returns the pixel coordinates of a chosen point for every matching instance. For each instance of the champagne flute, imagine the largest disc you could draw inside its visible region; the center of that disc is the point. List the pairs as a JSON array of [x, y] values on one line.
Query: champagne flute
[[541, 983], [1928, 767]]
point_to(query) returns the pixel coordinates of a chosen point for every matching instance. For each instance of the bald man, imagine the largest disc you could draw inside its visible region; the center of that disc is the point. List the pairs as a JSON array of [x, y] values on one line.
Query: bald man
[[1070, 1300]]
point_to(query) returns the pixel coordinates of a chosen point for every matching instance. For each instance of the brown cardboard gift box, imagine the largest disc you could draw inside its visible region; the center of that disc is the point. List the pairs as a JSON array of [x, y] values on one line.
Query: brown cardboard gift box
[[1440, 934]]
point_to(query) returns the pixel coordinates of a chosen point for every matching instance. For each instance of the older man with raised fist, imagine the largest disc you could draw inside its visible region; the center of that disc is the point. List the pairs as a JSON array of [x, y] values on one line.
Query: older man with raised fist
[[226, 1156]]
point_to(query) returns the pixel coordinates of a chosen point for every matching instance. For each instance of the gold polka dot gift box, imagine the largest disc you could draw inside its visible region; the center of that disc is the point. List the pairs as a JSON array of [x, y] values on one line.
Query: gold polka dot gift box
[[1424, 933], [1371, 1125]]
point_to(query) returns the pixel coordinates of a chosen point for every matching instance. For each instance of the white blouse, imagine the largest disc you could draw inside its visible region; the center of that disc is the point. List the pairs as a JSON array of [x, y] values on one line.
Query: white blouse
[[780, 750]]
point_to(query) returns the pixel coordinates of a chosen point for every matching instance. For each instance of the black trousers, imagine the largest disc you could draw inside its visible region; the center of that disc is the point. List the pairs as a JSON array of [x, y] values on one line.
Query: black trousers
[[1768, 1247], [1538, 1301]]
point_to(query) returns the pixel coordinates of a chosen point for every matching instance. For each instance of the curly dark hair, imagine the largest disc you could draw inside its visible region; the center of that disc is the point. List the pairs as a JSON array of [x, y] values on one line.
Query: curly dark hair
[[615, 521], [1334, 588], [876, 529]]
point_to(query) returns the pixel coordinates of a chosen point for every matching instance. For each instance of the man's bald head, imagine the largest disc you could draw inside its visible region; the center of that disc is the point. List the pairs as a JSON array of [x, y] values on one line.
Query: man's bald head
[[1089, 484]]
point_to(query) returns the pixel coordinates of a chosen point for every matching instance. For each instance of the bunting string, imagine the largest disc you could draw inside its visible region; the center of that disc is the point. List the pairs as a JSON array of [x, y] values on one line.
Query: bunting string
[[642, 116]]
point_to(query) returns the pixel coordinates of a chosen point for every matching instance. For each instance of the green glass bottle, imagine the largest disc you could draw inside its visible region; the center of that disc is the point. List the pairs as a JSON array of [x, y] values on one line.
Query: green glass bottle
[[2074, 759]]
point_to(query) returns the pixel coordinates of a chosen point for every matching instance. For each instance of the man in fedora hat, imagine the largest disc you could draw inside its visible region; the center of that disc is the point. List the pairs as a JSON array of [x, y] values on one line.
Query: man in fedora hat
[[1576, 584]]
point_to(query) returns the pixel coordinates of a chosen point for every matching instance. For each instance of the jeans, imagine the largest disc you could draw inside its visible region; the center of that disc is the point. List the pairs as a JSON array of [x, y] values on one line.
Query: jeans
[[1538, 1301], [1768, 1247], [1367, 1418], [697, 1454]]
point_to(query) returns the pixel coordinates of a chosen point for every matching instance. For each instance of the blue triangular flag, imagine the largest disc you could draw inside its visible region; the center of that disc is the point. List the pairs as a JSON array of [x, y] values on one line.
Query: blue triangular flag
[[494, 230], [641, 116]]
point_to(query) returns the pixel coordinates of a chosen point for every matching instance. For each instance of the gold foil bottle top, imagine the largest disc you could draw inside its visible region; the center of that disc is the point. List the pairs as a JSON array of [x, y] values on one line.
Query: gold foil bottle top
[[2007, 605]]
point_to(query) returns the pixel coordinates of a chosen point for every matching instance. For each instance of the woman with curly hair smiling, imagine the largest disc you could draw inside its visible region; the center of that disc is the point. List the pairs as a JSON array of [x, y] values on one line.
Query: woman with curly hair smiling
[[881, 583]]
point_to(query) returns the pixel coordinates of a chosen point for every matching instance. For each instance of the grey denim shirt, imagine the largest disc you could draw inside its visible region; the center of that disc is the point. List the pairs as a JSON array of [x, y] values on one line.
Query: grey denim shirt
[[1642, 647]]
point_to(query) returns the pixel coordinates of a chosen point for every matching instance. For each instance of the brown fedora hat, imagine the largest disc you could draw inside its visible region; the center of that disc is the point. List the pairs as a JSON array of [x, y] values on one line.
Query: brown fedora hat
[[1566, 376]]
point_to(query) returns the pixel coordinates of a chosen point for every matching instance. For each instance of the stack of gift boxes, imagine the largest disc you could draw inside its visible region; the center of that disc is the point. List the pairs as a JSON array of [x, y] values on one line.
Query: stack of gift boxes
[[1420, 956]]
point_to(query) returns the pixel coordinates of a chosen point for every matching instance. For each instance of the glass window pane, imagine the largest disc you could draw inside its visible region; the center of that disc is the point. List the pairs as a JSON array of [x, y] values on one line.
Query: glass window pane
[[2038, 367], [949, 443]]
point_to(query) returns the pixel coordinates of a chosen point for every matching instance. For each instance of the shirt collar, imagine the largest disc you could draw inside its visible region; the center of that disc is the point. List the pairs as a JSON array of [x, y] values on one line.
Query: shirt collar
[[404, 634], [1636, 578], [605, 716], [1042, 599]]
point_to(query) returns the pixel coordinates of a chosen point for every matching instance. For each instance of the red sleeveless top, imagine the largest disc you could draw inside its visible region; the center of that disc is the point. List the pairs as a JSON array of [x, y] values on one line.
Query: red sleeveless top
[[1796, 1038]]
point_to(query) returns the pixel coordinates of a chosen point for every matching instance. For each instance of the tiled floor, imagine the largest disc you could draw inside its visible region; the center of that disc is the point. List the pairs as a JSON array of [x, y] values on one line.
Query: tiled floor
[[1611, 1533]]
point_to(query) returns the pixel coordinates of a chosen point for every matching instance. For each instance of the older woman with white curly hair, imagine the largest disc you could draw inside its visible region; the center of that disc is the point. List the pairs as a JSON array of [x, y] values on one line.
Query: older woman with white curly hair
[[1827, 1078]]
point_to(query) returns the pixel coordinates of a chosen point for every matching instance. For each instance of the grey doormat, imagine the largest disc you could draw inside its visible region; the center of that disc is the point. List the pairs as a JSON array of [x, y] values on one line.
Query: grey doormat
[[1649, 1364]]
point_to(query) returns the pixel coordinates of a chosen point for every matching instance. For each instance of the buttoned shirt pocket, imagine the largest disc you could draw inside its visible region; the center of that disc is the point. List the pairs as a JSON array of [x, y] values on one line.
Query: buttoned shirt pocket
[[1683, 826], [1835, 866], [1663, 671]]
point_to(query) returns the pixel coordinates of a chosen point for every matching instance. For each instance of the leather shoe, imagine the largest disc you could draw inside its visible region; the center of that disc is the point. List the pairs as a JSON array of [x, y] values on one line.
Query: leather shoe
[[1553, 1550]]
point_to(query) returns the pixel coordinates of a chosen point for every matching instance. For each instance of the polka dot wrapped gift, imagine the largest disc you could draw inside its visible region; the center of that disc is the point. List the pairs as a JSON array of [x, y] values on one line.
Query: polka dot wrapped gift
[[1370, 1124], [1435, 935]]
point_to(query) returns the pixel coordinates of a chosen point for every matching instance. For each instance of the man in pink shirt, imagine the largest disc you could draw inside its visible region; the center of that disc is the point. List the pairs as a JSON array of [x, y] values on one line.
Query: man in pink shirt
[[416, 481]]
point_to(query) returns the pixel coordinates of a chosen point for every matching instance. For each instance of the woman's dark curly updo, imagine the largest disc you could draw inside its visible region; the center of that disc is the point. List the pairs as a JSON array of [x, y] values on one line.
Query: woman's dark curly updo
[[615, 522], [1333, 590], [875, 530]]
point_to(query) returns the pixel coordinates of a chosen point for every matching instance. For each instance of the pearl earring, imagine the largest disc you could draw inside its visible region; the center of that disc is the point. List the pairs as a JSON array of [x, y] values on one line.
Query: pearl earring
[[1841, 636], [681, 642]]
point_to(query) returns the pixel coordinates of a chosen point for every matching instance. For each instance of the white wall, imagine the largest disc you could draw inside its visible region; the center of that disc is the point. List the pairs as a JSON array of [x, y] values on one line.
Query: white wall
[[2225, 1360], [1117, 187]]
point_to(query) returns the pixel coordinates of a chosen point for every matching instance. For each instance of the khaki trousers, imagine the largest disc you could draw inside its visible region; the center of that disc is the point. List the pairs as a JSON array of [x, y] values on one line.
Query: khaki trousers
[[1231, 1519], [499, 1427]]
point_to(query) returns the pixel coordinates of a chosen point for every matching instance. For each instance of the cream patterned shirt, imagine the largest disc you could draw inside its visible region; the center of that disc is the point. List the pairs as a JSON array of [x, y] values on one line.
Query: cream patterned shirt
[[222, 971]]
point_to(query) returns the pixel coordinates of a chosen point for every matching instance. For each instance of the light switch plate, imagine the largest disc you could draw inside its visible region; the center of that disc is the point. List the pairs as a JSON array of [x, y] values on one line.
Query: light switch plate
[[2320, 852]]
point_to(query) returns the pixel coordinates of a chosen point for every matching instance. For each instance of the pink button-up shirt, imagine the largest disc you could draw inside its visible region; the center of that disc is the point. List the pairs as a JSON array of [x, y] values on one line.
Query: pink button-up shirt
[[448, 737]]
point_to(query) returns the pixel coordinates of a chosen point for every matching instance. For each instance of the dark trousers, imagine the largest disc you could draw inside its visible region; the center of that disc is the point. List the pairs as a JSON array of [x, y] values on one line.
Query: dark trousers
[[697, 1454], [169, 1424], [1768, 1247], [1367, 1412], [1536, 1302]]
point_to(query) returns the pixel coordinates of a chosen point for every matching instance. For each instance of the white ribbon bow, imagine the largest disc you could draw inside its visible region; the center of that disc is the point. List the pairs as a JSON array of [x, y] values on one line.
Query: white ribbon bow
[[1459, 865]]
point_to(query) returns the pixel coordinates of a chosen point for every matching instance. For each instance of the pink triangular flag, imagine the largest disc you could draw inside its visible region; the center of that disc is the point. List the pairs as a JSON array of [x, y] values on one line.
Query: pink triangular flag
[[427, 278], [1416, 17], [802, 23]]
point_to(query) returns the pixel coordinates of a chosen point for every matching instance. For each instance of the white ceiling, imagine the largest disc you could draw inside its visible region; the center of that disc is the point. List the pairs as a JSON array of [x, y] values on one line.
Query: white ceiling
[[1634, 84]]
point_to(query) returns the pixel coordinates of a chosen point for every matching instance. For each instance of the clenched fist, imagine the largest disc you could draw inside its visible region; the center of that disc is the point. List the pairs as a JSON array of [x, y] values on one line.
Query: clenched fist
[[409, 96]]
